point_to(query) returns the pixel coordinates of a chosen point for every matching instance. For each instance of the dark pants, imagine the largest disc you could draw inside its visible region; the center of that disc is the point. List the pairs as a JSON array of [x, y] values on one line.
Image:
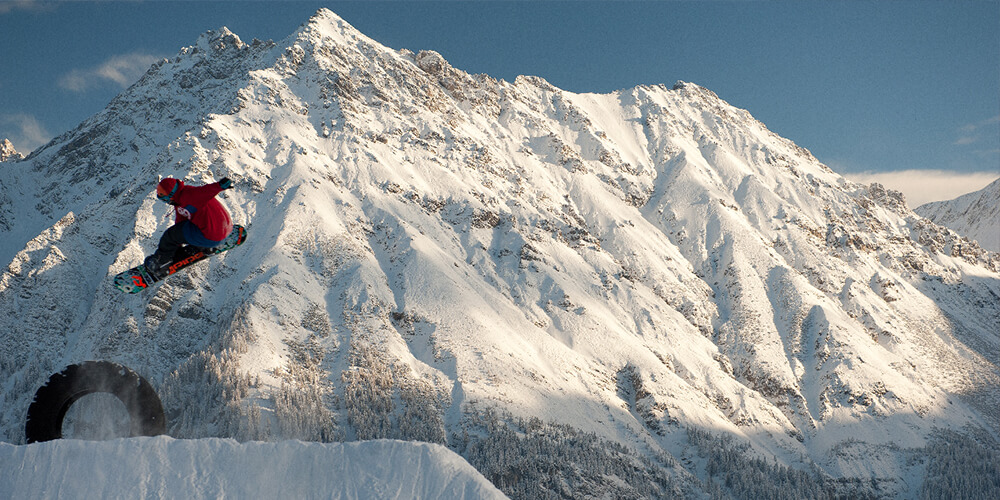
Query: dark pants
[[172, 240]]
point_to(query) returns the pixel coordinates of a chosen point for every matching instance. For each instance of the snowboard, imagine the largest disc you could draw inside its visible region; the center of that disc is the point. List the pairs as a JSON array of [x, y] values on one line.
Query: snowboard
[[138, 278]]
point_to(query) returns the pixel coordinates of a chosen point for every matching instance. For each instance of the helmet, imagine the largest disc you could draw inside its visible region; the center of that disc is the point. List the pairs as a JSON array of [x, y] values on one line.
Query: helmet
[[167, 188]]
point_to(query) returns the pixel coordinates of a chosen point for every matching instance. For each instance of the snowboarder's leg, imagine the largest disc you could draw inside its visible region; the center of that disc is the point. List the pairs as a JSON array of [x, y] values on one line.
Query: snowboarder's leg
[[194, 237], [171, 241]]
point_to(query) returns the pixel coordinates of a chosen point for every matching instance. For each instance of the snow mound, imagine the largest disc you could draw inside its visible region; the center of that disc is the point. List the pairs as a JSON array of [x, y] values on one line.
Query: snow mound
[[164, 467]]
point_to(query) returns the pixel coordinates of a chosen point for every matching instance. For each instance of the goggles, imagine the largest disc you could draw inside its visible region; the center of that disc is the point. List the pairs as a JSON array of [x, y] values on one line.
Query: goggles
[[164, 196]]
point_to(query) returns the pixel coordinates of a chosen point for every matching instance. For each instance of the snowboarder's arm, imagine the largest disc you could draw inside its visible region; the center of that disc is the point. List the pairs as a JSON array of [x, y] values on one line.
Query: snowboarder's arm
[[198, 195]]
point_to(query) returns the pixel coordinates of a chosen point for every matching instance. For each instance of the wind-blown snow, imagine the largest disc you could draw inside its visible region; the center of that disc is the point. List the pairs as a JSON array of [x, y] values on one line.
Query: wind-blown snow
[[162, 467], [429, 250], [975, 215]]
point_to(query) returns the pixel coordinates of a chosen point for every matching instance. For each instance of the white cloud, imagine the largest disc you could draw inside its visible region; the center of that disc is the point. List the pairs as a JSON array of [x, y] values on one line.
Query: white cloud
[[122, 70], [29, 5], [924, 186], [25, 132], [970, 134]]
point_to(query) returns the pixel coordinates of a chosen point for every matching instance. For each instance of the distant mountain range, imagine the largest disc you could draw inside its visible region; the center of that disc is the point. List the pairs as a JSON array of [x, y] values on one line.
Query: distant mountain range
[[976, 215], [638, 294]]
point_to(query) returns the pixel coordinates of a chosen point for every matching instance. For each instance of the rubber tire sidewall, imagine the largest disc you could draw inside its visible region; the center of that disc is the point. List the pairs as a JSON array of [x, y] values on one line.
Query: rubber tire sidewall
[[53, 400]]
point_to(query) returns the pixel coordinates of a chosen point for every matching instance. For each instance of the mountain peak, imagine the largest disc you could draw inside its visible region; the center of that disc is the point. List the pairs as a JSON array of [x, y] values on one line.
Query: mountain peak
[[324, 15], [326, 24], [680, 84], [8, 152], [219, 40]]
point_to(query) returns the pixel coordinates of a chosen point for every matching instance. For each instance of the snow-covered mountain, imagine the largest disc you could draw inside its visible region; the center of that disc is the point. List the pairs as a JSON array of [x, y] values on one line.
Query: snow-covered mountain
[[642, 293], [976, 215]]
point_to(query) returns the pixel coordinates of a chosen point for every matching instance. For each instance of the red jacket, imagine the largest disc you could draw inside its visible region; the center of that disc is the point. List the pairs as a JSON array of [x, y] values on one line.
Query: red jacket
[[198, 204]]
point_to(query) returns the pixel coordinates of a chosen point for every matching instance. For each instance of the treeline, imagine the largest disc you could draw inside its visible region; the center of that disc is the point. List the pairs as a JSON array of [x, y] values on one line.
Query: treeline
[[378, 398], [529, 459], [735, 472], [962, 466]]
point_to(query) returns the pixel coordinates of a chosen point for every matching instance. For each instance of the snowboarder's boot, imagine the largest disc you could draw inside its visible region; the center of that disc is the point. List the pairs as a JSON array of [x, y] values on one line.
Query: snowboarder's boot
[[156, 265]]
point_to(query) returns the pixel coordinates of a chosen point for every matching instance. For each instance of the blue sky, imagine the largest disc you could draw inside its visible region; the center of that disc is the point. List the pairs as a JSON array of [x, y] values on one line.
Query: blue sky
[[904, 92]]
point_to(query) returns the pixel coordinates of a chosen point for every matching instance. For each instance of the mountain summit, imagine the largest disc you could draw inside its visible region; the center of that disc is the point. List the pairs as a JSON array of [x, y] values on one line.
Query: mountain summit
[[646, 285]]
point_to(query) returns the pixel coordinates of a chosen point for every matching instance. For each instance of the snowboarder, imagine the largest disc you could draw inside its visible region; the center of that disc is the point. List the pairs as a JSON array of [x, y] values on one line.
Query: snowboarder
[[201, 220]]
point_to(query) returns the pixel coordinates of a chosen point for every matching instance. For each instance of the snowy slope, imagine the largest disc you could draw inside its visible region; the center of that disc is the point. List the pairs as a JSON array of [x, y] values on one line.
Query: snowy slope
[[443, 257], [975, 215], [221, 468]]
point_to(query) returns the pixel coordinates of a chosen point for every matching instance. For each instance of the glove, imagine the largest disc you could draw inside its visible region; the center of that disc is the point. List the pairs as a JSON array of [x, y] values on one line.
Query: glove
[[225, 183]]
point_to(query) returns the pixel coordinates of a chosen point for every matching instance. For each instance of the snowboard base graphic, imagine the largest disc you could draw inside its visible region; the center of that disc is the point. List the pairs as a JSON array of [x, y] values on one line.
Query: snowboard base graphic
[[138, 278]]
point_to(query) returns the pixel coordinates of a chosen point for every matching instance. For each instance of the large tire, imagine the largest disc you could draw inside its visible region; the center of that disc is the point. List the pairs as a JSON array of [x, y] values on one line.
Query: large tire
[[46, 413]]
